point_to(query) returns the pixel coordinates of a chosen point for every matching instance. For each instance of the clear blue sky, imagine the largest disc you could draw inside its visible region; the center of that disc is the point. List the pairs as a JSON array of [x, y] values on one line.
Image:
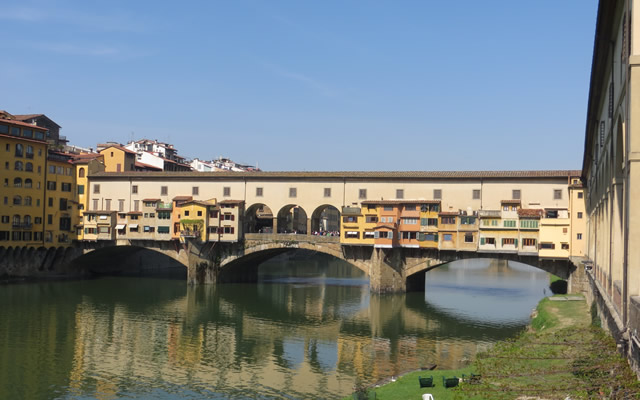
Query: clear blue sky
[[311, 85]]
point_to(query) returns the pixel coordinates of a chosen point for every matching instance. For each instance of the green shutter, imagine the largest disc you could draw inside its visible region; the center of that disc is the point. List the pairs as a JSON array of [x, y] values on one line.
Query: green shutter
[[482, 240], [516, 243]]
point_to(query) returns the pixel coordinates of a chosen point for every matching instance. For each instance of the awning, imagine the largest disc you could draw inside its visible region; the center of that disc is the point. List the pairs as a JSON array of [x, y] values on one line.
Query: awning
[[352, 233], [133, 226], [121, 226]]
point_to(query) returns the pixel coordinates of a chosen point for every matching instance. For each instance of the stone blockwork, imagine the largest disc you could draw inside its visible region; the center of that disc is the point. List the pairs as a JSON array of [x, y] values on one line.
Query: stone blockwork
[[31, 262]]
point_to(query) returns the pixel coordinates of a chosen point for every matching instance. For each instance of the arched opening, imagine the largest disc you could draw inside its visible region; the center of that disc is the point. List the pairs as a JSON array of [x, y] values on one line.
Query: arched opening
[[130, 260], [81, 173], [28, 183], [325, 220], [28, 167], [292, 219], [258, 219], [17, 182]]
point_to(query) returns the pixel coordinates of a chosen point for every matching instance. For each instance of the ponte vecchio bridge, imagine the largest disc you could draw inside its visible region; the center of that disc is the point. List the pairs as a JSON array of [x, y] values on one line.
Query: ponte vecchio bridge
[[394, 226]]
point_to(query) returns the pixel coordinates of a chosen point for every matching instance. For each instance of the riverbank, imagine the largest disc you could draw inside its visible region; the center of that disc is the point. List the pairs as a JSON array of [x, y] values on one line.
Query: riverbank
[[562, 355]]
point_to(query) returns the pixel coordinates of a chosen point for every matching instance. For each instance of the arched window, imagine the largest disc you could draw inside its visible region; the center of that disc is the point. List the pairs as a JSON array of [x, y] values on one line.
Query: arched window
[[18, 150], [28, 167], [27, 201], [16, 220], [28, 183], [17, 182], [29, 153], [17, 200], [81, 173], [27, 220], [18, 166]]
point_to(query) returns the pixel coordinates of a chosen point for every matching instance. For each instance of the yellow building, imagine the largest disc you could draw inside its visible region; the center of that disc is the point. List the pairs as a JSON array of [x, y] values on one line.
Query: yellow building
[[118, 159], [428, 235], [85, 164], [448, 230], [351, 226], [529, 220], [61, 208], [23, 161], [555, 237], [468, 232], [194, 219], [578, 219]]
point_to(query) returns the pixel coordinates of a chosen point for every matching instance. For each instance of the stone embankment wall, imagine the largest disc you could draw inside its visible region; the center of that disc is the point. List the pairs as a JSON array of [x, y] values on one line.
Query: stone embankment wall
[[32, 262]]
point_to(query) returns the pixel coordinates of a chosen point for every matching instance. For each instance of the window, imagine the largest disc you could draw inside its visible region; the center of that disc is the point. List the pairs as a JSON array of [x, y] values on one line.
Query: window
[[6, 182], [515, 194], [579, 236], [195, 190], [136, 205], [410, 221], [226, 191], [293, 192], [213, 214], [81, 173], [437, 194], [509, 242], [564, 246], [63, 204], [467, 220], [580, 195], [476, 194], [96, 189], [37, 220], [489, 241], [18, 166], [399, 193], [410, 207], [163, 229], [448, 220], [120, 204], [199, 213], [228, 229], [259, 192], [528, 223], [29, 153], [388, 208], [528, 242], [15, 131], [17, 200], [5, 219], [51, 185], [80, 189], [370, 219], [432, 221], [509, 224], [164, 190], [447, 237], [352, 235], [468, 237], [28, 133], [49, 219], [327, 192], [107, 204], [349, 218], [65, 187], [19, 150], [368, 235], [547, 246], [362, 193], [95, 204], [27, 200], [186, 213], [134, 189], [28, 167], [557, 194], [17, 182]]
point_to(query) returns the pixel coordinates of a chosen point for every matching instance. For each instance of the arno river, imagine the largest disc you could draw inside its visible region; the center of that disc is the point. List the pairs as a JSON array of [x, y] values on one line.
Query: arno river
[[309, 329]]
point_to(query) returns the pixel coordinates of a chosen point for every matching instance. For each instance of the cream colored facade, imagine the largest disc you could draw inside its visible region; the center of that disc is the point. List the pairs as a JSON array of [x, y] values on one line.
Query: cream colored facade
[[611, 171]]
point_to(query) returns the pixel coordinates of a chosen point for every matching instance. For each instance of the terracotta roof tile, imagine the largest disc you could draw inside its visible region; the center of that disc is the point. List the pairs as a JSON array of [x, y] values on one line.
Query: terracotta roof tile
[[529, 212], [23, 124], [183, 198]]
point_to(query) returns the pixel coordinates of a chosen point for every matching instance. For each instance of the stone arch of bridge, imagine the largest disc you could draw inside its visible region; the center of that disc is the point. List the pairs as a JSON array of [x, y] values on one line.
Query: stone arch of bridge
[[258, 219], [325, 218], [128, 252], [415, 271], [268, 249], [292, 218]]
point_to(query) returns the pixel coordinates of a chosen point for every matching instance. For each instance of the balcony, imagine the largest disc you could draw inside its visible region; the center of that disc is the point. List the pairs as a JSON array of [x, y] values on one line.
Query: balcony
[[351, 210], [21, 225], [188, 233], [490, 213], [164, 206]]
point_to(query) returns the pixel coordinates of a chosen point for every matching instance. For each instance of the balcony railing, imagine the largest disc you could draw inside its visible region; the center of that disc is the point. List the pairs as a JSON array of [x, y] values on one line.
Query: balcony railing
[[188, 233], [21, 225], [490, 213]]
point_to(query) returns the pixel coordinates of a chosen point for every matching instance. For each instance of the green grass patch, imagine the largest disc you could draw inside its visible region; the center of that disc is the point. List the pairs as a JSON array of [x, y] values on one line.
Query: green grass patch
[[563, 356]]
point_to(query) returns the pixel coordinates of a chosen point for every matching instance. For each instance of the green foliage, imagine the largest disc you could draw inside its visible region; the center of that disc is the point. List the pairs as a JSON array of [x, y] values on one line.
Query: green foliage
[[186, 222], [595, 318], [543, 319]]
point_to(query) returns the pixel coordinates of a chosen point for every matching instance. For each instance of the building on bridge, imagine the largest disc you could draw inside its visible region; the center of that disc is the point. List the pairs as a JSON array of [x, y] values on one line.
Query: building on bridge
[[511, 212]]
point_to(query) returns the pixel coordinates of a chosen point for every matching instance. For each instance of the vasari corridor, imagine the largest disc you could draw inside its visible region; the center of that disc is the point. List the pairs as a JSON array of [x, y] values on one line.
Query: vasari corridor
[[413, 210]]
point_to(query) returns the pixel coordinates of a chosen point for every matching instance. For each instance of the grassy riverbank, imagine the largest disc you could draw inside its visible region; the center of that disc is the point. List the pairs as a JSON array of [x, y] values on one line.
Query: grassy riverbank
[[562, 355]]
